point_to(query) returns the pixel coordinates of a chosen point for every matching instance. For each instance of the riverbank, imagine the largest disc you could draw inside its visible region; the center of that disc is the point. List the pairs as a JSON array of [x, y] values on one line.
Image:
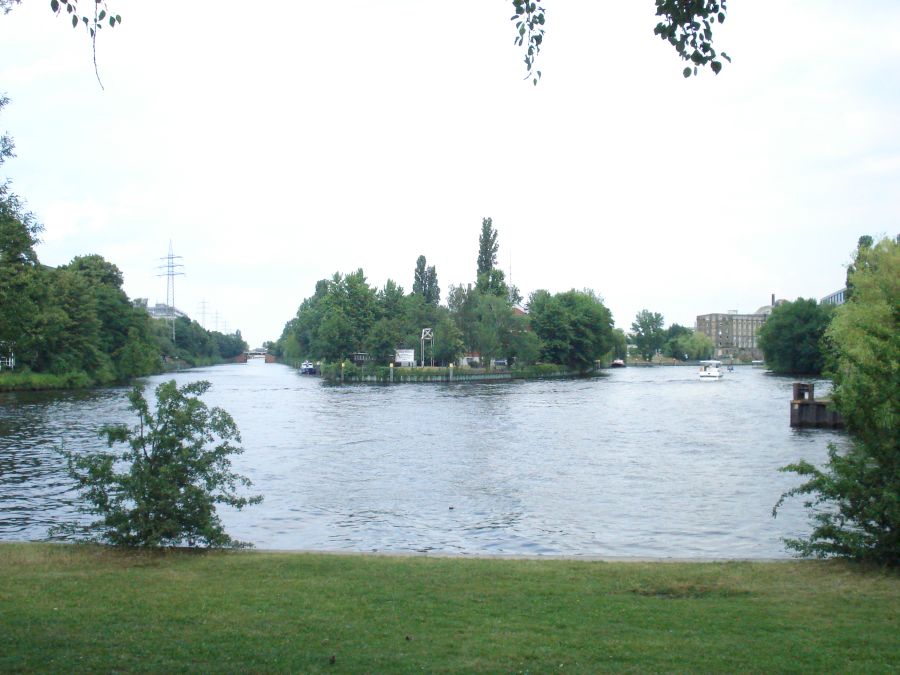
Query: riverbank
[[85, 608], [349, 373], [12, 381], [29, 381]]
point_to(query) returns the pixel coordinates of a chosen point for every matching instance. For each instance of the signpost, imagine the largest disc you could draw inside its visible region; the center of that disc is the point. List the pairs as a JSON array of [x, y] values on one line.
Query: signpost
[[405, 357], [427, 336]]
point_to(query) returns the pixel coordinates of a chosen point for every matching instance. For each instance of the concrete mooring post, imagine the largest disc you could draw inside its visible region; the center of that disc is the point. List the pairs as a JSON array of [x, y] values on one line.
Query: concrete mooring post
[[807, 412]]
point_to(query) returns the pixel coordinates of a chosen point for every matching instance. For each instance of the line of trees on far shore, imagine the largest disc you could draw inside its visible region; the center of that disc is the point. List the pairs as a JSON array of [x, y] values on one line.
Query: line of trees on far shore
[[346, 315]]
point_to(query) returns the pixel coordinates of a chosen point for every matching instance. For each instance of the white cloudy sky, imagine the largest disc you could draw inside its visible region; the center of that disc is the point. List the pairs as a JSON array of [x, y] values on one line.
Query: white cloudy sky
[[275, 143]]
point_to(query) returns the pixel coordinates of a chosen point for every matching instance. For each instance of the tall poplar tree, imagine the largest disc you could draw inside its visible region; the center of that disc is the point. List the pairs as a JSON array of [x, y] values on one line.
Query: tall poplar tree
[[487, 247], [419, 276]]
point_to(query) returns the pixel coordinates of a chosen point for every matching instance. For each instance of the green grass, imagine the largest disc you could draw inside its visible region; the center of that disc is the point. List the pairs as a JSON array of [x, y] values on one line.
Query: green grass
[[83, 608]]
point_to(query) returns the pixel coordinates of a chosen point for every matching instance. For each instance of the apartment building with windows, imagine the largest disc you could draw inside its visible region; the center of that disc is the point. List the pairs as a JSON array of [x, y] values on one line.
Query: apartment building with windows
[[735, 335]]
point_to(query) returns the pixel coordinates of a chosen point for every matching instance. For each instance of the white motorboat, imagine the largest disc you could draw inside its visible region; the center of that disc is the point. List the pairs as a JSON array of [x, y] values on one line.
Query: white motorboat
[[711, 370]]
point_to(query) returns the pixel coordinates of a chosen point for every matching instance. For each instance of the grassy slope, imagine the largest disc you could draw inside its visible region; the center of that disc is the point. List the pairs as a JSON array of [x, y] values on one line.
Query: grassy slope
[[93, 609]]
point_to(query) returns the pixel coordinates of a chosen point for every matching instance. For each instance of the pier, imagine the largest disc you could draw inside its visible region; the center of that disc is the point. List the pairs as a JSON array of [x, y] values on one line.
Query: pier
[[808, 413]]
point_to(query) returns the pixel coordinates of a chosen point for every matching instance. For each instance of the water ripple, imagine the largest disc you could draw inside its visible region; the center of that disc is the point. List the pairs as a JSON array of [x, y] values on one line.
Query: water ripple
[[643, 462]]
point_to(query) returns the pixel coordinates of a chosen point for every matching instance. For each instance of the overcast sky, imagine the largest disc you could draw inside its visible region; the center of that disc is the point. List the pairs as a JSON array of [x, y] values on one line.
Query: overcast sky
[[275, 143]]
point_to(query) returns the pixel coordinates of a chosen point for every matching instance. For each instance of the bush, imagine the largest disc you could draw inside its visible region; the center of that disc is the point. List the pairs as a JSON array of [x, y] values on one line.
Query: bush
[[856, 496], [175, 470]]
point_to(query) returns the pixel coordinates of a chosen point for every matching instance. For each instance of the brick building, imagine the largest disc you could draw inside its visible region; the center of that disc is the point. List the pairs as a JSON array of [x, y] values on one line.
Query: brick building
[[735, 335]]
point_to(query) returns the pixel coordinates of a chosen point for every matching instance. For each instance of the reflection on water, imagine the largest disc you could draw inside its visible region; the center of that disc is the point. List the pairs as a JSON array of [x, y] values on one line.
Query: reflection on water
[[642, 462]]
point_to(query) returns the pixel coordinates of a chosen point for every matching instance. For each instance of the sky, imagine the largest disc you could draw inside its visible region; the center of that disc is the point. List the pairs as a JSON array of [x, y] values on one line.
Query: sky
[[276, 143]]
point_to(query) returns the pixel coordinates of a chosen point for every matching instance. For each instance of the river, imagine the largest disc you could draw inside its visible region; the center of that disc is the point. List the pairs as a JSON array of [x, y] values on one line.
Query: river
[[642, 462]]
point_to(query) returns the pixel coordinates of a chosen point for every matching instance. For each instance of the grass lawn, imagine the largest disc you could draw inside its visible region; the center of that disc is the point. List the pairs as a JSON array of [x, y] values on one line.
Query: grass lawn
[[84, 608]]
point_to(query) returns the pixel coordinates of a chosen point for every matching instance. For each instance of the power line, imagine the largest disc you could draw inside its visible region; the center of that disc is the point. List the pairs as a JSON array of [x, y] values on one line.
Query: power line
[[172, 269], [203, 305]]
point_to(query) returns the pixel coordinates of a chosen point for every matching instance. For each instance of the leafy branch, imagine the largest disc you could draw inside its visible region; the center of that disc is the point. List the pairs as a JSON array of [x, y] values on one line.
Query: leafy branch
[[687, 26], [92, 23], [529, 18]]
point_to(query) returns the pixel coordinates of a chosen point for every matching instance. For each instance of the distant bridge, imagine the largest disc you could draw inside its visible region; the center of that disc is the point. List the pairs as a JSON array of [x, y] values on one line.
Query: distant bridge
[[258, 353]]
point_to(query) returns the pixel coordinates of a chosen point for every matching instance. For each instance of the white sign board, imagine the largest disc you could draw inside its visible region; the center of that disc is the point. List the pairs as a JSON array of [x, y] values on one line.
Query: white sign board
[[406, 357]]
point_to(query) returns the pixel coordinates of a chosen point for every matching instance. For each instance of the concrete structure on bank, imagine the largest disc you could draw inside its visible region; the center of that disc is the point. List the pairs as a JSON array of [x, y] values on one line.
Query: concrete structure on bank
[[806, 411], [735, 335]]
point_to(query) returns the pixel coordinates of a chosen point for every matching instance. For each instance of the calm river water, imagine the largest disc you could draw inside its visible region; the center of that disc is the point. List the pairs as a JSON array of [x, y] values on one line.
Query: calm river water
[[641, 462]]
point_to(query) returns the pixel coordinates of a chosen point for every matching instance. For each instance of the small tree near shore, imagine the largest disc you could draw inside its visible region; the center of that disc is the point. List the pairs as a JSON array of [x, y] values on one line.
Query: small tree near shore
[[174, 471]]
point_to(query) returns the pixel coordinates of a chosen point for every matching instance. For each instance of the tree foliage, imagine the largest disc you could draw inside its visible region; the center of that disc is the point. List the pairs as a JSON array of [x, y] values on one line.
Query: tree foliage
[[488, 279], [425, 282], [791, 337], [163, 488], [575, 328], [863, 248], [855, 497], [647, 333], [76, 320], [694, 345], [685, 24], [673, 341], [93, 21], [487, 248]]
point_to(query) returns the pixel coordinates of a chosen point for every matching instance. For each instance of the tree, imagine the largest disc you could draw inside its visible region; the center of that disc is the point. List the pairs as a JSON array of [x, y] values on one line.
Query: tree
[[487, 248], [462, 302], [490, 328], [791, 337], [229, 346], [432, 290], [70, 329], [671, 345], [513, 295], [863, 248], [335, 337], [493, 283], [425, 282], [575, 328], [855, 497], [647, 333], [383, 340], [489, 280], [524, 344], [620, 344], [20, 287], [121, 322], [695, 345], [175, 469], [448, 344], [19, 271], [419, 276], [390, 299]]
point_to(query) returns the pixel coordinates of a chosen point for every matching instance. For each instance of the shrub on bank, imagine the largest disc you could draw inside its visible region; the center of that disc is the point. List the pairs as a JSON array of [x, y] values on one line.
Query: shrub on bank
[[27, 381], [383, 374]]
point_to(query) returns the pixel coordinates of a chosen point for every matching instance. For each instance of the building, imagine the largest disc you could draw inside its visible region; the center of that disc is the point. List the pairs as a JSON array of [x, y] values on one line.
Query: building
[[836, 298], [735, 335], [158, 311]]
